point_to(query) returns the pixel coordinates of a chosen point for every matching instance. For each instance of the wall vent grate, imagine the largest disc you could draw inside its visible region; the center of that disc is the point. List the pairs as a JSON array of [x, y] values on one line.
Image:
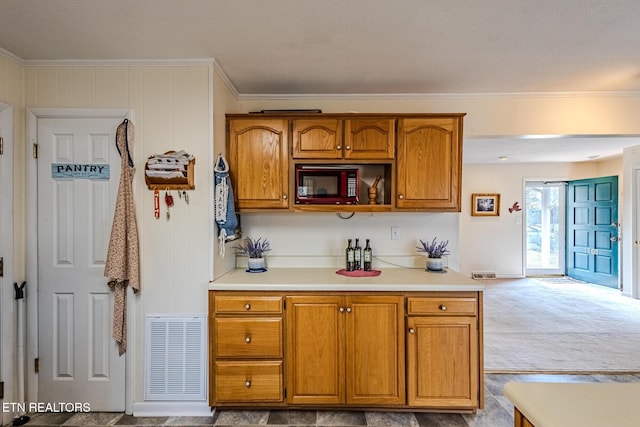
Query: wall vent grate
[[483, 275], [175, 358]]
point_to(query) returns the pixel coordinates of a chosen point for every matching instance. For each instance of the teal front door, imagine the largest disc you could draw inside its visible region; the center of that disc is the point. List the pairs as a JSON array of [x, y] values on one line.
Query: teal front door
[[592, 230]]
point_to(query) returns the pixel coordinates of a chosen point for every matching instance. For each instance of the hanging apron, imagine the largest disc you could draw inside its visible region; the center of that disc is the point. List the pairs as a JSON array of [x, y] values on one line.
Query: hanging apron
[[122, 266], [225, 211]]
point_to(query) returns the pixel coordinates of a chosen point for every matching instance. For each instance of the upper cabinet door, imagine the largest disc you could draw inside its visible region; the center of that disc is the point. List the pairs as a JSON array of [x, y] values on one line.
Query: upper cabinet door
[[259, 162], [369, 138], [317, 138], [429, 164]]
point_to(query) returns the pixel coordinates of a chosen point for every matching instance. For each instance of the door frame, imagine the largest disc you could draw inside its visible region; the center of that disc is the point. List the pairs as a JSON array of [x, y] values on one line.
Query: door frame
[[524, 219], [33, 114], [562, 269], [7, 311], [632, 287]]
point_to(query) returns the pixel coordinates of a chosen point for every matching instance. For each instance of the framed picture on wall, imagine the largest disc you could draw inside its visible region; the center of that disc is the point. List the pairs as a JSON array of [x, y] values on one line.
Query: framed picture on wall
[[485, 204]]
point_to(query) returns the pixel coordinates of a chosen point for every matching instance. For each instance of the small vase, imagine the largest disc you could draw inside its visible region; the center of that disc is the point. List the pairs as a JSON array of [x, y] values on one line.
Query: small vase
[[435, 264], [257, 264]]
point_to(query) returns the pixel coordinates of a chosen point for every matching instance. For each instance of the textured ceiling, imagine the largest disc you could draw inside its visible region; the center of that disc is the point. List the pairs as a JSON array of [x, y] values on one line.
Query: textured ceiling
[[349, 46], [298, 47]]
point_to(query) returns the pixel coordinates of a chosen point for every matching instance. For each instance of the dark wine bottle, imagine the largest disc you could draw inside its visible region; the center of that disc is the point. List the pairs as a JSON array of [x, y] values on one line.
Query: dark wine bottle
[[367, 256], [350, 257], [357, 256]]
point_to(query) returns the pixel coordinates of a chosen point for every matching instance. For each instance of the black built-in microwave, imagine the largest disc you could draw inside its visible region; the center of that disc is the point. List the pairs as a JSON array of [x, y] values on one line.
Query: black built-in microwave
[[320, 184]]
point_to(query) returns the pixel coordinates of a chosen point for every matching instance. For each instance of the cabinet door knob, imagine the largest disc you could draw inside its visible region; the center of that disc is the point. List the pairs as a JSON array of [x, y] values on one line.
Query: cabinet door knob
[[284, 197], [348, 309], [247, 340], [412, 331], [247, 306], [348, 147], [400, 196], [341, 309], [247, 383], [338, 147], [443, 307]]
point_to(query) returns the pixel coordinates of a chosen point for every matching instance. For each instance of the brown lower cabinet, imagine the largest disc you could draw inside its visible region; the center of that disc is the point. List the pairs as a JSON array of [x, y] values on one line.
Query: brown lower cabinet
[[520, 420], [355, 350], [345, 350]]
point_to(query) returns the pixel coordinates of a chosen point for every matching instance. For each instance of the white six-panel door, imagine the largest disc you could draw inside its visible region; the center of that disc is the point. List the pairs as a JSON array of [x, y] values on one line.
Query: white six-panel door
[[79, 360]]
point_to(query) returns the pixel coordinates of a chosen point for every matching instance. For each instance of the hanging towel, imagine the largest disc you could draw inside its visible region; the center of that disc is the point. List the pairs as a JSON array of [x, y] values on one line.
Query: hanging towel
[[225, 211], [122, 266]]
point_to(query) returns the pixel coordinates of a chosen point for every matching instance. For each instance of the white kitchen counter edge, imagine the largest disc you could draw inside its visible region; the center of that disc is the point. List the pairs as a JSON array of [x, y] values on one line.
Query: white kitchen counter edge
[[326, 279], [576, 404]]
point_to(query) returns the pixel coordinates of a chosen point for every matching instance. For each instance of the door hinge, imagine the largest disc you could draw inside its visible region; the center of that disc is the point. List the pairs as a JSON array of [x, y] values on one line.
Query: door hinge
[[1, 146], [36, 365], [1, 390], [1, 266], [35, 151]]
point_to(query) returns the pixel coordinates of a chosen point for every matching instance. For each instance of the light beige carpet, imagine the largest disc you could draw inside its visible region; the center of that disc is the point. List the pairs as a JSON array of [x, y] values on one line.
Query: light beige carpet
[[559, 325]]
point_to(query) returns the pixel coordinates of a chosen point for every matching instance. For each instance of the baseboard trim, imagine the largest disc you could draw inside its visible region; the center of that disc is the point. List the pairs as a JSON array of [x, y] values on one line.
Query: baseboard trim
[[171, 409]]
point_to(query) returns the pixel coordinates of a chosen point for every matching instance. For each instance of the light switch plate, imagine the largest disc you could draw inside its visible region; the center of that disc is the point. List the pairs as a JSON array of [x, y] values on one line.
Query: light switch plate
[[395, 232]]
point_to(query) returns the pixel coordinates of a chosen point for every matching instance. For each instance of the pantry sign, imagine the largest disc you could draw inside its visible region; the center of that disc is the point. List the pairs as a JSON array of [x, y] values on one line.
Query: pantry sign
[[79, 171]]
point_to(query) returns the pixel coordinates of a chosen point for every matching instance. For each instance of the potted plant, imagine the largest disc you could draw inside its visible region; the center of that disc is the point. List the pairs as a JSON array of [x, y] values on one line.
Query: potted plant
[[434, 250], [255, 250]]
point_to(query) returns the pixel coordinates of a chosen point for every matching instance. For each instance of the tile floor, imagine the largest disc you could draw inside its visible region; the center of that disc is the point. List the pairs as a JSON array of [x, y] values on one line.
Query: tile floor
[[498, 412]]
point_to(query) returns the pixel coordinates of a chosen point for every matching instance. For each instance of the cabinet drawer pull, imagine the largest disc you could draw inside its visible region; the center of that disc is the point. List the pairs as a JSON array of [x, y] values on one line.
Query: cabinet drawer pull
[[247, 340], [247, 306], [247, 383], [400, 196], [443, 307], [338, 147], [348, 309], [348, 147], [341, 309], [412, 331]]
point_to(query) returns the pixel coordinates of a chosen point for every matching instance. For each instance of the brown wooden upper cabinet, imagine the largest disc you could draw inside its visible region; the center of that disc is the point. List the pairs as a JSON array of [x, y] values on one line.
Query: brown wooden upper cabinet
[[335, 138], [429, 163], [259, 160], [418, 156]]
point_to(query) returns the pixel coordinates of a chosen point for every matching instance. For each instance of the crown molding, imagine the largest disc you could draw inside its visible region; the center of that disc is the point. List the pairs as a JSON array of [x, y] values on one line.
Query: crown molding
[[419, 96], [11, 57], [227, 81], [121, 63]]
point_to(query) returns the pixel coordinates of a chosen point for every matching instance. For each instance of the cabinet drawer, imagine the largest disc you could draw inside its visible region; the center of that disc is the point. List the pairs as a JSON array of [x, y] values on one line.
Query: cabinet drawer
[[248, 337], [442, 306], [259, 381], [225, 304]]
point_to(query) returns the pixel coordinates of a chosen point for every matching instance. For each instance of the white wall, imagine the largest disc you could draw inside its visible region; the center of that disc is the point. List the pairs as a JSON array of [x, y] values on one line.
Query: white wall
[[12, 95], [630, 224], [171, 111], [325, 234], [224, 101]]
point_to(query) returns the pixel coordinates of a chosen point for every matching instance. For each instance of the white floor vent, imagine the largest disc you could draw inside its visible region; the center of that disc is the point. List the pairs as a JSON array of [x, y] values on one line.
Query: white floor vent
[[483, 275], [175, 358]]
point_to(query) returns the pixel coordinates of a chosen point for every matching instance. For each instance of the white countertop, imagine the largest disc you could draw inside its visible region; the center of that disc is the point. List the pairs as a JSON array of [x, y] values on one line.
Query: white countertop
[[577, 404], [326, 279]]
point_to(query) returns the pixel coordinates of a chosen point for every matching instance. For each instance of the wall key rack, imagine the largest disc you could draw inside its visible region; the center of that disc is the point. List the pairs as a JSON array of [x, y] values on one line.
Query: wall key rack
[[173, 170]]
